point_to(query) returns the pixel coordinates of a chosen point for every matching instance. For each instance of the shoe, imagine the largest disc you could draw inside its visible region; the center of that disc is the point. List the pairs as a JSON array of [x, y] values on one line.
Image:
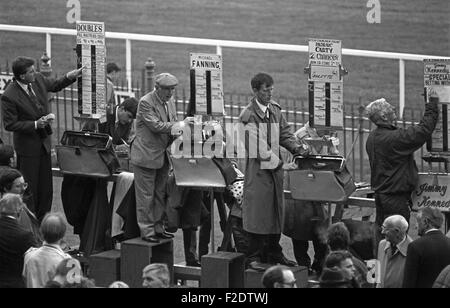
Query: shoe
[[255, 265], [164, 235], [151, 239], [193, 263], [283, 261]]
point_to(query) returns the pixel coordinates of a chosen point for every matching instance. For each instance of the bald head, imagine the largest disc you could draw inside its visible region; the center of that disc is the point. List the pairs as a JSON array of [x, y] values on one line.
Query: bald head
[[53, 228], [380, 111], [397, 222]]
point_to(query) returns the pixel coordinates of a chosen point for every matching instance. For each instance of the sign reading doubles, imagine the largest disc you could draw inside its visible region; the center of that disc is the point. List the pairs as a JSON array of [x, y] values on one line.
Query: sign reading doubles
[[325, 87], [91, 52], [436, 75], [432, 191], [206, 84]]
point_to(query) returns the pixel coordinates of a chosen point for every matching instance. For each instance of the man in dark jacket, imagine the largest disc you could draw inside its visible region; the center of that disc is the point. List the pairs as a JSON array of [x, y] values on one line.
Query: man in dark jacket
[[391, 150], [14, 242], [25, 111], [428, 255]]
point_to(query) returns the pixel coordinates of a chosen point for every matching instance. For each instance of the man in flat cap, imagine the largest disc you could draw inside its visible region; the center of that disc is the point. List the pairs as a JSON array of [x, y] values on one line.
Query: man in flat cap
[[156, 119], [391, 150]]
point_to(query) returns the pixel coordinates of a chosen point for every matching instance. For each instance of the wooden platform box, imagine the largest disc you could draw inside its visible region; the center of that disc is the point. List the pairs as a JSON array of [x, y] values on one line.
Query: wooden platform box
[[223, 270], [137, 254], [104, 267]]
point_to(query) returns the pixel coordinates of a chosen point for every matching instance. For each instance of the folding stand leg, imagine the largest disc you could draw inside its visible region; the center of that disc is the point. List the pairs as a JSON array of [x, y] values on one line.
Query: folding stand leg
[[211, 198]]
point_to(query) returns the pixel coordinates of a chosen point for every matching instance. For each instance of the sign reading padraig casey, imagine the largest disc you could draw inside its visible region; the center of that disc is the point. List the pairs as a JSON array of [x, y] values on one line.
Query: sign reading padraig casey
[[432, 191]]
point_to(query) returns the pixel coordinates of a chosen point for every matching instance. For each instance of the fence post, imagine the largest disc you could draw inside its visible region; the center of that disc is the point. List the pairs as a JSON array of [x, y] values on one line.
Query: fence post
[[46, 68], [361, 140], [149, 75]]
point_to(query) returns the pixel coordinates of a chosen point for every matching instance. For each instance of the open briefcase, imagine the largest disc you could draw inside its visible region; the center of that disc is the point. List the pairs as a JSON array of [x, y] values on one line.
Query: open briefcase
[[87, 154], [321, 178]]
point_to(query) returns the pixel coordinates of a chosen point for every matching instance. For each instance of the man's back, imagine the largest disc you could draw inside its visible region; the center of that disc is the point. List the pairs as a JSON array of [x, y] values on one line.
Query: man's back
[[14, 241], [426, 258], [40, 264], [391, 153]]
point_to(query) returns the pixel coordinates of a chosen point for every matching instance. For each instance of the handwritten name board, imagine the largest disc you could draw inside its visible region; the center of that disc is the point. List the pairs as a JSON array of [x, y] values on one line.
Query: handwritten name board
[[432, 191], [91, 52], [325, 86], [207, 84]]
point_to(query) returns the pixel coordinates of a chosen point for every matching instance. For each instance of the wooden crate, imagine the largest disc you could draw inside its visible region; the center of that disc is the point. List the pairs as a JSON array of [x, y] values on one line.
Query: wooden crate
[[223, 270], [137, 254], [105, 267]]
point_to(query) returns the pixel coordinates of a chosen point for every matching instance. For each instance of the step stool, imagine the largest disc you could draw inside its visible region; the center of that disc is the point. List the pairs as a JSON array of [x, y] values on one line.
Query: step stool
[[137, 254], [183, 273], [105, 267], [223, 269]]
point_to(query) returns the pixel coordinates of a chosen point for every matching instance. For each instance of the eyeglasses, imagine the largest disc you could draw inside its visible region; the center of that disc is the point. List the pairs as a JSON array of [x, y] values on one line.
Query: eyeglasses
[[22, 185]]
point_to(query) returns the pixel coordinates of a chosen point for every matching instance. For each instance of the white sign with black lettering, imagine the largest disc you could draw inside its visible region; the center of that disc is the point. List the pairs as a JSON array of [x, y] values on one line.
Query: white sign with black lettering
[[432, 191], [207, 83], [324, 52], [91, 51], [325, 85], [436, 75], [5, 80]]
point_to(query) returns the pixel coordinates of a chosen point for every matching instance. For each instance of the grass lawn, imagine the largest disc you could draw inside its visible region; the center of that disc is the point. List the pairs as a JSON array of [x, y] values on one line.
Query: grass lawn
[[409, 26]]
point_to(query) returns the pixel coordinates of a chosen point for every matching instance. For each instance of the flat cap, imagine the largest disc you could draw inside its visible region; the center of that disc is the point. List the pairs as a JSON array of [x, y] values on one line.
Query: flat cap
[[166, 80]]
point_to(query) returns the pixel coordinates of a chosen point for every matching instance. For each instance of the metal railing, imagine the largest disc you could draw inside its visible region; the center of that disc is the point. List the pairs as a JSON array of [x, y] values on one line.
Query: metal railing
[[220, 44]]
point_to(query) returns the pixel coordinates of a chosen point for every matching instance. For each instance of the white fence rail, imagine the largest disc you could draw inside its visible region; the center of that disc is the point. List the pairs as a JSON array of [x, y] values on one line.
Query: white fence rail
[[219, 44]]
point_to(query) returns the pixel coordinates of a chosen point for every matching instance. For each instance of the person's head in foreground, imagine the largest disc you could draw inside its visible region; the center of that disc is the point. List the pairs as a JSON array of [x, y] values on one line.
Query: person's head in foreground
[[278, 276], [156, 275]]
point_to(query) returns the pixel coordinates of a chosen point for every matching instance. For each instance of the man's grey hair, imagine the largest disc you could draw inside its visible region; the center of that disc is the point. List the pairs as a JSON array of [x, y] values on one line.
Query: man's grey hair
[[397, 221], [10, 204], [433, 215], [376, 109]]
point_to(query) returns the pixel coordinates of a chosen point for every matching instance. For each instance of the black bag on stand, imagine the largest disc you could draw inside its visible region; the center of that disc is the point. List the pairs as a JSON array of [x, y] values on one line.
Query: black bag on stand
[[321, 178], [87, 154]]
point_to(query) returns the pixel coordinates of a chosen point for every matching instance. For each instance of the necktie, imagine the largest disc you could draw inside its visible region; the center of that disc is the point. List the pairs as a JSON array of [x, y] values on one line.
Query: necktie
[[167, 111], [34, 98]]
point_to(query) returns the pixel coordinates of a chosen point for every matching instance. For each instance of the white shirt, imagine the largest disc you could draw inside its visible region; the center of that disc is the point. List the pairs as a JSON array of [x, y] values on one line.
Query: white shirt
[[40, 264], [24, 86], [263, 108], [433, 229]]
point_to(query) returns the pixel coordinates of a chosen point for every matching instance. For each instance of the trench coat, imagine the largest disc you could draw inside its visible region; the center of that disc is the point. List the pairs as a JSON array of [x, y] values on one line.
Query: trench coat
[[262, 207]]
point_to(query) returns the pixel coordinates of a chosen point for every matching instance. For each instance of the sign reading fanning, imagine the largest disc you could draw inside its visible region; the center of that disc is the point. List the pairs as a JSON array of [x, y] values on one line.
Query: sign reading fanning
[[206, 84], [91, 53]]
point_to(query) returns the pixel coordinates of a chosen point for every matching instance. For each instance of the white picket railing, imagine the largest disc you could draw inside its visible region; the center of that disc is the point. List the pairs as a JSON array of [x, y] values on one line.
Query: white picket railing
[[219, 44]]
